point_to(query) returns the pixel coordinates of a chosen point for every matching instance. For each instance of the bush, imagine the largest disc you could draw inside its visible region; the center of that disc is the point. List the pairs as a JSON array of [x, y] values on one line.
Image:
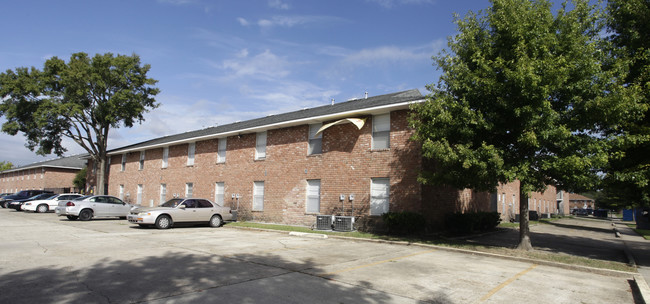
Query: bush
[[404, 222], [471, 222]]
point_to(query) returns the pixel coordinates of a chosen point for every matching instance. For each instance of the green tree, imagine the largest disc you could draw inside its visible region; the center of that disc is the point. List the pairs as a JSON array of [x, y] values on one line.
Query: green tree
[[81, 100], [627, 182], [523, 96], [79, 180], [5, 165]]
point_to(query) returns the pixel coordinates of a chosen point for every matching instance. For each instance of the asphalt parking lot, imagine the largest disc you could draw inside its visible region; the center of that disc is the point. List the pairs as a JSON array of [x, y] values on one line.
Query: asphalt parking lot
[[48, 259]]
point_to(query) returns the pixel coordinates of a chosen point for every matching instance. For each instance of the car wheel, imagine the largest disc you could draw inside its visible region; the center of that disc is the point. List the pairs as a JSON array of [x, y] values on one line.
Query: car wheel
[[163, 222], [215, 221], [42, 208], [72, 217], [85, 215]]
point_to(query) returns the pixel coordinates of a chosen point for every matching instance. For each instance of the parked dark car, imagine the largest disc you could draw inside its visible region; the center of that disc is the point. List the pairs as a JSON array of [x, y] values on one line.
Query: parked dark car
[[20, 195], [18, 203]]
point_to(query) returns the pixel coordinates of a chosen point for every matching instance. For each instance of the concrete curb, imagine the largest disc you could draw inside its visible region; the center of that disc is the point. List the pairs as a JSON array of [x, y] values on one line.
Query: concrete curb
[[644, 290], [607, 272], [307, 234]]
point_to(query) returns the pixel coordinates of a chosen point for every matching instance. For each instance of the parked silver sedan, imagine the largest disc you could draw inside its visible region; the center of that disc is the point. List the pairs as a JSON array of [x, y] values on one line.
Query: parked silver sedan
[[181, 210], [87, 207]]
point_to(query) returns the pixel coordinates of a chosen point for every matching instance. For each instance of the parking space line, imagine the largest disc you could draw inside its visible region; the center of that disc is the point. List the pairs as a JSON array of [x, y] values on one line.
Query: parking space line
[[506, 283], [376, 263]]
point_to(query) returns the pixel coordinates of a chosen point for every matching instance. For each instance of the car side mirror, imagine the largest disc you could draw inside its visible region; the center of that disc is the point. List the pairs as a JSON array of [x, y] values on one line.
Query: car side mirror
[[182, 207]]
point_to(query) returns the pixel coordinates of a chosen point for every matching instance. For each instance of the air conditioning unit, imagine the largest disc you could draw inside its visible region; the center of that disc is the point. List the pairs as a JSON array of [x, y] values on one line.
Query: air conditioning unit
[[344, 223], [323, 222]]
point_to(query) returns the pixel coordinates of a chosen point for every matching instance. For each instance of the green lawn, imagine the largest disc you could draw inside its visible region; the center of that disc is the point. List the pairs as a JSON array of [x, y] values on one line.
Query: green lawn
[[453, 243], [644, 233]]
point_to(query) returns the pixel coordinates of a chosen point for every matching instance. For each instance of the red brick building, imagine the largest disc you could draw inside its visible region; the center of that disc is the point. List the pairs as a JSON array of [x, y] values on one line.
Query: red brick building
[[578, 201], [352, 158], [55, 175]]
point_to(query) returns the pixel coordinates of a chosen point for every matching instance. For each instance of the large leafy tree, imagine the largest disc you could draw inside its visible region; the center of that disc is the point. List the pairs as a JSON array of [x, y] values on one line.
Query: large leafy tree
[[5, 165], [80, 100], [523, 96], [627, 182]]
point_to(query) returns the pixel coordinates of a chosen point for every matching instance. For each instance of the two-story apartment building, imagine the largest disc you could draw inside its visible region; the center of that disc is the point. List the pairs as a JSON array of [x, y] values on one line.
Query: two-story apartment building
[[351, 158], [55, 175]]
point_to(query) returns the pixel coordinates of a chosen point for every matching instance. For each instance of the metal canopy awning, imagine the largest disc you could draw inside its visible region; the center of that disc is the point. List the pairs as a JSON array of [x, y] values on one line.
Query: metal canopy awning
[[359, 122]]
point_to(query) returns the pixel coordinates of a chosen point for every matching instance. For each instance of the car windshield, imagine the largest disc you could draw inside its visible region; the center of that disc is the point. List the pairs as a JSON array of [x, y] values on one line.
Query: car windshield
[[81, 198], [172, 203]]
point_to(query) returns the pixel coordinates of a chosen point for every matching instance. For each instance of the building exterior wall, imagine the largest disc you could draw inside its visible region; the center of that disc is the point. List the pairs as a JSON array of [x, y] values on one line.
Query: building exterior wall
[[345, 167], [44, 178]]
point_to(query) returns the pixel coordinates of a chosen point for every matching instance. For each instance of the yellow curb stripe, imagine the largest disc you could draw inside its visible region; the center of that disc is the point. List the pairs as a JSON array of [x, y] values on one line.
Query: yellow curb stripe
[[377, 263], [506, 283]]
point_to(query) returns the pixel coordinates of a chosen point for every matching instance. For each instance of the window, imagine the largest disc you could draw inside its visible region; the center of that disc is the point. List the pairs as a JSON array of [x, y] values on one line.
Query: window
[[163, 193], [190, 154], [203, 204], [219, 193], [123, 162], [379, 196], [189, 189], [221, 152], [141, 160], [165, 157], [42, 172], [315, 141], [381, 131], [313, 196], [29, 172], [258, 196], [139, 200], [121, 192], [260, 145]]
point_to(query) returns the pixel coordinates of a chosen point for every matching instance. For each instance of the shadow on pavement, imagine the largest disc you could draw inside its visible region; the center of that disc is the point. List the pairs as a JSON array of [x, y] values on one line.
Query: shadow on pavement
[[241, 278]]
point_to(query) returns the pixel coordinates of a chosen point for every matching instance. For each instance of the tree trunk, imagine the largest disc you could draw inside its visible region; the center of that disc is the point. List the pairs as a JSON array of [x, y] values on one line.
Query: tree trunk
[[524, 232], [101, 175]]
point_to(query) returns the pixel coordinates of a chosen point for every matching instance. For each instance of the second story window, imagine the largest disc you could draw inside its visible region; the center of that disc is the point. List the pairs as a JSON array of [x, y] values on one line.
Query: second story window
[[221, 152], [315, 141], [165, 157], [260, 145], [123, 162], [141, 164], [381, 131], [190, 154]]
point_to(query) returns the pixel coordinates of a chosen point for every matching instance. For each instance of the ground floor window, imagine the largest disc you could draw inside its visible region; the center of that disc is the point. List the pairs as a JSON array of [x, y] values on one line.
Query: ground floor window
[[219, 193], [258, 196], [379, 196], [139, 201], [189, 190]]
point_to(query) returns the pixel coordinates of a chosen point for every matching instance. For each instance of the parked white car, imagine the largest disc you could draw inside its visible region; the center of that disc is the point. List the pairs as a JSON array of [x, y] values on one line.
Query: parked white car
[[41, 206], [181, 210], [88, 207]]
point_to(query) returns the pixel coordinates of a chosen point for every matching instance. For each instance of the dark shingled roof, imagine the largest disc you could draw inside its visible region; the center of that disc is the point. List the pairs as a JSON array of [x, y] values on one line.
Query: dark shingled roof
[[356, 105], [72, 162]]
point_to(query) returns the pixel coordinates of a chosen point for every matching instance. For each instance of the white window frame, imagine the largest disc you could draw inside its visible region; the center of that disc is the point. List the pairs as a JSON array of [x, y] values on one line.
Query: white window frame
[[42, 172], [315, 145], [163, 193], [312, 203], [139, 194], [123, 168], [381, 132], [165, 157], [191, 150], [221, 150], [379, 195], [189, 190], [219, 193], [258, 196], [141, 163], [121, 192], [260, 145]]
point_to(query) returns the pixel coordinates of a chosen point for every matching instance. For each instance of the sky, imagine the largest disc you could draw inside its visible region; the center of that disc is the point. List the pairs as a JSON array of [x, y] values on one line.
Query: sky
[[218, 62]]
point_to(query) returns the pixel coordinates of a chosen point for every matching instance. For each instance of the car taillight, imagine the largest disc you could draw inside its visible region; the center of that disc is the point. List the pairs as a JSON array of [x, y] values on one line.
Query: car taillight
[[69, 204]]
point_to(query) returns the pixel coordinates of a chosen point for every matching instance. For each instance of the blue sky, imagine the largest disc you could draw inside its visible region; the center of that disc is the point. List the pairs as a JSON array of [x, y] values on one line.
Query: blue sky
[[222, 61]]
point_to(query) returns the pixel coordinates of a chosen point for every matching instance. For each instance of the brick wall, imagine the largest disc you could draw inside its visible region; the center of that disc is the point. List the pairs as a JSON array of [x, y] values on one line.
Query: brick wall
[[48, 178]]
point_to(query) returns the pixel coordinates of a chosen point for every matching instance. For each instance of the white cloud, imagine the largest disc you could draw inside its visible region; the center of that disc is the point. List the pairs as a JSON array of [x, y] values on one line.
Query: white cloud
[[392, 54], [291, 21], [278, 4], [392, 3], [243, 21], [265, 65]]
